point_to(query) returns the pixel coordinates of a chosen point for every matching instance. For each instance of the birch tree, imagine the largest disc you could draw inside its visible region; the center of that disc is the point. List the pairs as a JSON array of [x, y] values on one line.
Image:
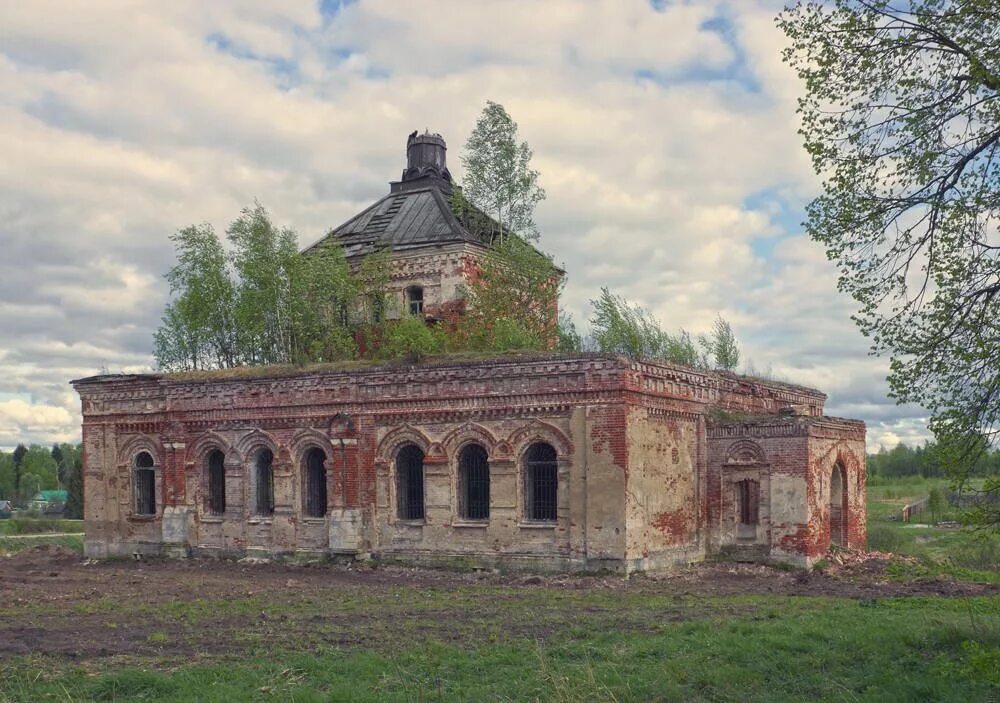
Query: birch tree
[[498, 177], [901, 116]]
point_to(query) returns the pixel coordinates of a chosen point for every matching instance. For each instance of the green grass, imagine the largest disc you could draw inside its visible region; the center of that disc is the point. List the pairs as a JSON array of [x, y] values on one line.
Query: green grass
[[965, 553], [10, 545], [29, 526], [779, 648], [487, 642]]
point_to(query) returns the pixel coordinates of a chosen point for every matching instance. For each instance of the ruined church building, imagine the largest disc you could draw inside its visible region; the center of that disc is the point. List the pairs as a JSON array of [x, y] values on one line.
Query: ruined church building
[[564, 462]]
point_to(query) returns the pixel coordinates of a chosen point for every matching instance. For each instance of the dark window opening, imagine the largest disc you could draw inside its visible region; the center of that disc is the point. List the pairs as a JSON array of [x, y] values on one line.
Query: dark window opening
[[540, 482], [415, 300], [748, 500], [145, 484], [410, 483], [315, 483], [216, 482], [264, 477], [473, 483]]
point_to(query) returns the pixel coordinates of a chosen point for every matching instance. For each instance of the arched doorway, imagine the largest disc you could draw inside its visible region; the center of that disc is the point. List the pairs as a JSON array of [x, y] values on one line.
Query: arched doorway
[[838, 505]]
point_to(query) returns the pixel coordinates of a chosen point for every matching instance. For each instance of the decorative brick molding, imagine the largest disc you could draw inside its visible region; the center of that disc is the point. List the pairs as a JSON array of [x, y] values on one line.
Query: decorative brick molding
[[647, 475]]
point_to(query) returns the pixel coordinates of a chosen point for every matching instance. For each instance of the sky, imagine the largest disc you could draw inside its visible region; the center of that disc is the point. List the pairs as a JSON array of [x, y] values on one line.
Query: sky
[[665, 134]]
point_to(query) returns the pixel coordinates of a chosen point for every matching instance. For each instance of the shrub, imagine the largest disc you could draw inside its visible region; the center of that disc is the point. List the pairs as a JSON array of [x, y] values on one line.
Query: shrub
[[411, 338]]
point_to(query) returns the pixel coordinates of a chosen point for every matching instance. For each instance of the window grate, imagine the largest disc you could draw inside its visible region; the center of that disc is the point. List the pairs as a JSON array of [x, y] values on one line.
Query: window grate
[[410, 483], [265, 482], [315, 483], [145, 485], [216, 483], [474, 483], [541, 483]]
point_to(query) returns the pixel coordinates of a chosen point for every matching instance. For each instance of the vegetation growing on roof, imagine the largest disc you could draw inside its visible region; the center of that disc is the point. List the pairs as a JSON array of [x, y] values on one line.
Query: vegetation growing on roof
[[623, 327], [499, 180]]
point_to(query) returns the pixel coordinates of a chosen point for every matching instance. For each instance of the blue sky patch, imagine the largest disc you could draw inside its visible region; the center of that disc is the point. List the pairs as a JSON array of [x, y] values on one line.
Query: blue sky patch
[[285, 69], [331, 8]]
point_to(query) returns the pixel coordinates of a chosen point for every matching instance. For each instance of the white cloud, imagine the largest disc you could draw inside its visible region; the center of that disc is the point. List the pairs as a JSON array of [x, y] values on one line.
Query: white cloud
[[25, 422], [664, 146]]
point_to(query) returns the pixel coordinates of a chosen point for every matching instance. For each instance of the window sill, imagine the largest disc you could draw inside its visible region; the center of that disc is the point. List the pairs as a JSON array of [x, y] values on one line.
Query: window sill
[[313, 520], [539, 525], [471, 523], [411, 523], [211, 517], [143, 518], [260, 519]]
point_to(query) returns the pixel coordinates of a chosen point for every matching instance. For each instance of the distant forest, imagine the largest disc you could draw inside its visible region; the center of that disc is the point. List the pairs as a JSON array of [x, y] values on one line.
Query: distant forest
[[29, 469], [925, 461]]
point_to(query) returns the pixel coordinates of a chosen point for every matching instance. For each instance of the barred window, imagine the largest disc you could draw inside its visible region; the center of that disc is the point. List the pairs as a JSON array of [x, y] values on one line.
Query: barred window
[[264, 481], [410, 483], [540, 482], [216, 482], [473, 483], [748, 500], [145, 484], [315, 482]]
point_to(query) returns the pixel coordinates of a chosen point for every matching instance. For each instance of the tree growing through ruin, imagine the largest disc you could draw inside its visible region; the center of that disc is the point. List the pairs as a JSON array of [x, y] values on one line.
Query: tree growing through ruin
[[264, 258], [261, 302], [721, 347], [512, 300], [499, 180], [901, 117], [622, 327], [199, 328]]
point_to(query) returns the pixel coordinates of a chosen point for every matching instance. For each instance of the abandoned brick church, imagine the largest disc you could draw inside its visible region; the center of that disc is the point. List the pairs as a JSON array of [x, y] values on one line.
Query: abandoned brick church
[[544, 462]]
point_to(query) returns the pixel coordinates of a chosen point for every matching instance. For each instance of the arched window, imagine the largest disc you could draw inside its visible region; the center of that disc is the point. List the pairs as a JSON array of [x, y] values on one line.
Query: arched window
[[315, 493], [541, 482], [748, 501], [145, 484], [410, 483], [415, 300], [473, 483], [264, 481], [216, 464]]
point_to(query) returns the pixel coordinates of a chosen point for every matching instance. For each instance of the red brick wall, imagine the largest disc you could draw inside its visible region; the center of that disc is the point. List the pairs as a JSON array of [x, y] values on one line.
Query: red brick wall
[[178, 417]]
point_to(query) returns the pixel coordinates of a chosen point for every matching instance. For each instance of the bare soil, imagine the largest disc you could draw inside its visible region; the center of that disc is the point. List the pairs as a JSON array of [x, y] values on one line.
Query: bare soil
[[56, 603]]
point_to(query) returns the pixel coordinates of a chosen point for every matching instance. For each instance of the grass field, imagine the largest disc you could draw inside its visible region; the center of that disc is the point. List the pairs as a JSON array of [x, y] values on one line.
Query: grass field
[[926, 629], [30, 526], [13, 545], [963, 552], [19, 534], [326, 633]]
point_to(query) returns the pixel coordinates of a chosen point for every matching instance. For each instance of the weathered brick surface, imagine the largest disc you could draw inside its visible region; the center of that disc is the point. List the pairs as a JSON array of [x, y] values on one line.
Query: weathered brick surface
[[646, 470]]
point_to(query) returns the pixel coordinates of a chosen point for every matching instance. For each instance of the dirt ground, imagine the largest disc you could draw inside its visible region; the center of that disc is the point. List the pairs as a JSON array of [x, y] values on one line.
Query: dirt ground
[[56, 603]]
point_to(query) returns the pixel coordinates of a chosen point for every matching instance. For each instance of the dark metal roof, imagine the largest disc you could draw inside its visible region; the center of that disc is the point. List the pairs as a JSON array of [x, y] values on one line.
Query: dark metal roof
[[417, 212], [400, 221]]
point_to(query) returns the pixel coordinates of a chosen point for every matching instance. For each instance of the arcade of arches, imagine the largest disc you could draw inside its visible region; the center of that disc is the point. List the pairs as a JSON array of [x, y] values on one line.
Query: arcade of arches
[[565, 462]]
